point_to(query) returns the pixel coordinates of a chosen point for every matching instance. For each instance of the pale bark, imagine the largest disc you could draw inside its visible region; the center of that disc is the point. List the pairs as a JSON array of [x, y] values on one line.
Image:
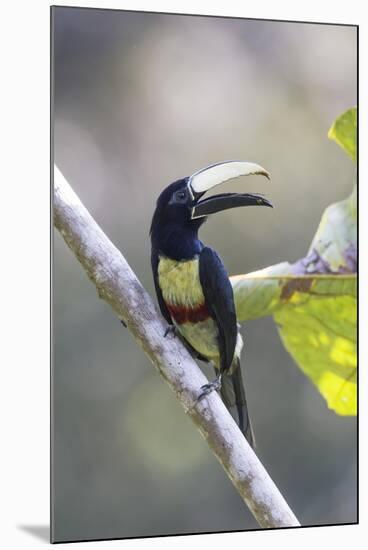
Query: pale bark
[[118, 285]]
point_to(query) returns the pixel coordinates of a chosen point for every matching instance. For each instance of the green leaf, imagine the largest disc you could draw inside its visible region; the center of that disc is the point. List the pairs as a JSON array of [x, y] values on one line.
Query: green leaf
[[316, 318], [313, 302], [344, 131], [321, 337]]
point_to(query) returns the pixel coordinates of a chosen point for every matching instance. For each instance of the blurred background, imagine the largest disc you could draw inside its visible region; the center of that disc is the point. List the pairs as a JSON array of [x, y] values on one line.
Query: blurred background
[[140, 100]]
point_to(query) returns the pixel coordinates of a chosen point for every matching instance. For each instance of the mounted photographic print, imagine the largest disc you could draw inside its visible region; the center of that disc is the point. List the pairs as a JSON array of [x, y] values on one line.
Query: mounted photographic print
[[204, 373]]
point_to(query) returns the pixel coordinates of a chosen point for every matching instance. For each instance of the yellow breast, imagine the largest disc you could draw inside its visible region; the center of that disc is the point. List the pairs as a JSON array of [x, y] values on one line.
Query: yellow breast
[[179, 281]]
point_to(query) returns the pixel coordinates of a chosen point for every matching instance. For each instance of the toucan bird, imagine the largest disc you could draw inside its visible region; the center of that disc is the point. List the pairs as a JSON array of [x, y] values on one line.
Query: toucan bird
[[193, 288]]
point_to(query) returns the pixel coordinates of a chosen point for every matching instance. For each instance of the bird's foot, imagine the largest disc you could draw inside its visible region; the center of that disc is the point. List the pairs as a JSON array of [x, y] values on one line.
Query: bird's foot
[[210, 387], [171, 329]]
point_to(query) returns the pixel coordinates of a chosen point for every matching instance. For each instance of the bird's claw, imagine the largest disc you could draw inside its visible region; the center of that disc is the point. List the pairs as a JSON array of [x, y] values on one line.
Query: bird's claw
[[170, 329], [210, 387]]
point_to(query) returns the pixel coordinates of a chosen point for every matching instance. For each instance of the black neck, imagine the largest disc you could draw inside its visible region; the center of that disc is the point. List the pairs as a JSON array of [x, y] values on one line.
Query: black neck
[[177, 242]]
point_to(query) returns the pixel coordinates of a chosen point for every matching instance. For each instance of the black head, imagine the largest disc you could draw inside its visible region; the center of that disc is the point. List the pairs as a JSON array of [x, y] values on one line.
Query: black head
[[174, 205], [179, 211]]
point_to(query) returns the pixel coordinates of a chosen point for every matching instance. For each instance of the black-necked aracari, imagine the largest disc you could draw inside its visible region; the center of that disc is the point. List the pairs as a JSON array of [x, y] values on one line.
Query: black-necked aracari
[[193, 288]]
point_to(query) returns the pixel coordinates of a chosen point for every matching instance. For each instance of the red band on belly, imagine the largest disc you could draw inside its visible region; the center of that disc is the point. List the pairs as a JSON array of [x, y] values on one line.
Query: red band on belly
[[185, 314]]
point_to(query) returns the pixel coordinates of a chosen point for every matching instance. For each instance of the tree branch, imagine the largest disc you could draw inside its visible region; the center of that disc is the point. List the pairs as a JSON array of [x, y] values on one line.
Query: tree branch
[[117, 284]]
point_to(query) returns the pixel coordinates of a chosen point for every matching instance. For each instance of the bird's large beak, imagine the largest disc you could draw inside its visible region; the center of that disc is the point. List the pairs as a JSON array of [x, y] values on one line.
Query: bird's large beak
[[213, 175]]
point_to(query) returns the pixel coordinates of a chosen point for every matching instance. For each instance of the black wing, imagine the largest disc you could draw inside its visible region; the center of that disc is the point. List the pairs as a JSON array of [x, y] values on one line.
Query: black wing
[[219, 298], [161, 302]]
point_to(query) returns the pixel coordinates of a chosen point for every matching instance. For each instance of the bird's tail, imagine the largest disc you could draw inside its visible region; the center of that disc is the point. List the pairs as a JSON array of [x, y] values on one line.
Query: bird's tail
[[233, 395]]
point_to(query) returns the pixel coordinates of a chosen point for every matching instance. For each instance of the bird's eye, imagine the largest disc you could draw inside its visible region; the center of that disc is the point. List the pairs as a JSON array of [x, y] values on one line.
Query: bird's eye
[[180, 196]]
